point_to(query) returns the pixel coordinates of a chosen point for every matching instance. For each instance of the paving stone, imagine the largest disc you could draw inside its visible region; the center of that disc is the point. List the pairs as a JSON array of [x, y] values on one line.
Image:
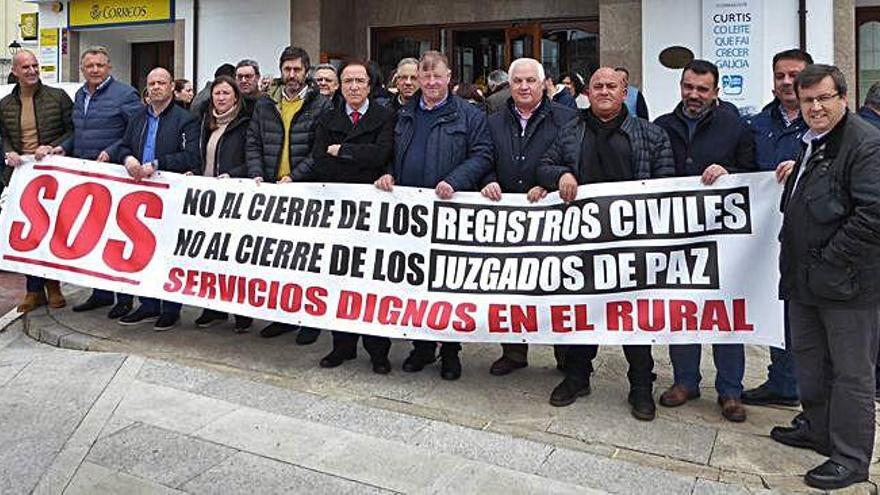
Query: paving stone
[[52, 334], [612, 475], [92, 479], [708, 487], [604, 417], [485, 479], [176, 376], [77, 341], [170, 408], [161, 456], [367, 420], [247, 474], [261, 396], [483, 446], [761, 455]]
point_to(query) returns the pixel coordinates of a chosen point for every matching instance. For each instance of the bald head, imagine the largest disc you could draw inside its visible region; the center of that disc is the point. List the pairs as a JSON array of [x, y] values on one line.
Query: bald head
[[607, 93], [26, 68], [160, 87]]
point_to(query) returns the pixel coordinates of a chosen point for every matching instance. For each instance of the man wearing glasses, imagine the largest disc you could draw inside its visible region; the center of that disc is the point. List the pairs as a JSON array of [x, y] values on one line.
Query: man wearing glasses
[[247, 77], [830, 278]]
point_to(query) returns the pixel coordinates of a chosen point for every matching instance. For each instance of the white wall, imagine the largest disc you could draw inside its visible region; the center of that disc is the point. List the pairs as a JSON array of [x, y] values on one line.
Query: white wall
[[230, 30], [678, 22], [118, 41]]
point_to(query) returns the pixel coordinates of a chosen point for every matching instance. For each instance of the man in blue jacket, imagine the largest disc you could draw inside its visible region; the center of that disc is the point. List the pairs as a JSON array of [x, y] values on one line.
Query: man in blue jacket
[[777, 131], [101, 111], [708, 139], [522, 130], [162, 136], [441, 142]]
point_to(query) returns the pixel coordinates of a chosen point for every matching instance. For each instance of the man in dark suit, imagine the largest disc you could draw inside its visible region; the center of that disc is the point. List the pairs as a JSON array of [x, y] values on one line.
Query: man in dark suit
[[353, 144]]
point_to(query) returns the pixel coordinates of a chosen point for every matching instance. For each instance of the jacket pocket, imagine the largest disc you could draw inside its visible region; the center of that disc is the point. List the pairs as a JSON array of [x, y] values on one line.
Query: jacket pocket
[[836, 283]]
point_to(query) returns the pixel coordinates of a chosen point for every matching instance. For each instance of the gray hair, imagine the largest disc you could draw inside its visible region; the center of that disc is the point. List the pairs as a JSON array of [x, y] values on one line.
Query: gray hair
[[408, 61], [95, 50], [325, 67], [496, 78], [246, 62], [872, 99], [527, 61]]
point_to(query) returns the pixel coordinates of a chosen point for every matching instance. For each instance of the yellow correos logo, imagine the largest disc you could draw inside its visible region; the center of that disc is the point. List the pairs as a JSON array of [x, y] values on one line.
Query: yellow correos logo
[[90, 13]]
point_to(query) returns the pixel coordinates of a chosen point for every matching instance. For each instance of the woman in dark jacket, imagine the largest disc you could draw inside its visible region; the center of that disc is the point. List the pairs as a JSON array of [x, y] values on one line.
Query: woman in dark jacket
[[354, 144], [224, 130]]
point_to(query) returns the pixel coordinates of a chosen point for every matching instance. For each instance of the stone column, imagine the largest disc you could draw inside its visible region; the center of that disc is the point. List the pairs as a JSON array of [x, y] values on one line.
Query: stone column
[[620, 36], [845, 44], [180, 60], [305, 27], [70, 60]]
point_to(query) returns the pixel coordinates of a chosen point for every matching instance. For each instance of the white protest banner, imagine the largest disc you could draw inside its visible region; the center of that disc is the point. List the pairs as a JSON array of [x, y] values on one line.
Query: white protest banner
[[661, 261]]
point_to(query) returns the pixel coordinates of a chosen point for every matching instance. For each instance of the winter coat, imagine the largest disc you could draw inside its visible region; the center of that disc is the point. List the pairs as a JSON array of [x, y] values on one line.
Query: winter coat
[[720, 137], [177, 140], [229, 153], [365, 152], [774, 141], [517, 153], [265, 135], [830, 237], [102, 127]]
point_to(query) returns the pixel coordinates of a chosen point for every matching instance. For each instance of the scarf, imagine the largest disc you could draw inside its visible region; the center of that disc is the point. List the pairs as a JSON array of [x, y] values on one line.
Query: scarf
[[606, 153]]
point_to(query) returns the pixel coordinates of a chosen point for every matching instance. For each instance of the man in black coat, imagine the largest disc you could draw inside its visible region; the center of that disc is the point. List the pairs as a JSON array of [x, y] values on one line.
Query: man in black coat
[[280, 139], [606, 145], [353, 144], [830, 277], [522, 129], [163, 136], [708, 139]]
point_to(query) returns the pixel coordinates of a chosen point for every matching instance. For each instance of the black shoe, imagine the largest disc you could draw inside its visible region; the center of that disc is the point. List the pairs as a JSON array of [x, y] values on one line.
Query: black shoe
[[505, 366], [91, 303], [831, 476], [642, 401], [275, 329], [139, 316], [242, 324], [567, 392], [336, 358], [119, 310], [763, 396], [166, 321], [417, 361], [307, 335], [209, 318], [450, 367], [381, 366], [798, 436]]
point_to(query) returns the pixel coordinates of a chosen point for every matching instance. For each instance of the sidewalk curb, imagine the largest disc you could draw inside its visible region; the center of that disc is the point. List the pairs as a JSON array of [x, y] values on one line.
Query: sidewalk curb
[[51, 332], [9, 318]]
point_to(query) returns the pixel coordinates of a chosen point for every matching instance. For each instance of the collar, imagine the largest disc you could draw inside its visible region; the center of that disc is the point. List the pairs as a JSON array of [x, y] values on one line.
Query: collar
[[101, 86], [424, 106], [534, 110], [362, 110], [299, 96], [152, 113], [810, 136], [784, 115]]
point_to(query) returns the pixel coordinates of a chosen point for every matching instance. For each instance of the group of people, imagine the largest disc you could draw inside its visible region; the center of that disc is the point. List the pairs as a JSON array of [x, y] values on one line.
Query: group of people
[[335, 124]]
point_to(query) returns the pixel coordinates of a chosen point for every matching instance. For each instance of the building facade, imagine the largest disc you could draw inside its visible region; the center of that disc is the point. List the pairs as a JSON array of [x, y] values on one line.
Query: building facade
[[649, 37]]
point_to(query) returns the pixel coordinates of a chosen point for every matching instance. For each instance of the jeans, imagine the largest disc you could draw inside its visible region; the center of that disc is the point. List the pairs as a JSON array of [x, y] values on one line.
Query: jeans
[[107, 296], [34, 284], [160, 306], [730, 366]]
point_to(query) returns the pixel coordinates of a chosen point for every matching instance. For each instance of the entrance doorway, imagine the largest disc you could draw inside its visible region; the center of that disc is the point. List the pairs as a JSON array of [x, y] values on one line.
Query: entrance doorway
[[146, 57], [475, 50]]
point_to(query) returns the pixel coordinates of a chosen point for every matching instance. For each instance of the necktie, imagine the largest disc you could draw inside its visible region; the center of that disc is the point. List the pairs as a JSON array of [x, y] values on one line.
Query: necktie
[[355, 117]]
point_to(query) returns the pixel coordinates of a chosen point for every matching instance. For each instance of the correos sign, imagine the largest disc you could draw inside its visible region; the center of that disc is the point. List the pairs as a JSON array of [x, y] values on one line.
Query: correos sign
[[84, 14]]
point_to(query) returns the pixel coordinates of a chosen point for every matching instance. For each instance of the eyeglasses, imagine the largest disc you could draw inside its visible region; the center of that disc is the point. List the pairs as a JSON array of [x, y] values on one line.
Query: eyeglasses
[[822, 100], [324, 80], [245, 76]]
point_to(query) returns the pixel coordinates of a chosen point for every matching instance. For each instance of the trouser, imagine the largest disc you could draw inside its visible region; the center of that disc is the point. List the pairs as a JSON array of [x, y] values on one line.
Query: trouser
[[579, 364], [730, 366], [837, 351], [377, 347], [34, 284], [520, 352], [429, 348], [159, 306], [239, 320], [108, 297], [781, 374]]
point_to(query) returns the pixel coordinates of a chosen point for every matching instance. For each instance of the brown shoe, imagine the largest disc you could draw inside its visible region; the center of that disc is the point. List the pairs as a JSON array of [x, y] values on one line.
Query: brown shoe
[[677, 395], [56, 298], [732, 409], [32, 301]]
